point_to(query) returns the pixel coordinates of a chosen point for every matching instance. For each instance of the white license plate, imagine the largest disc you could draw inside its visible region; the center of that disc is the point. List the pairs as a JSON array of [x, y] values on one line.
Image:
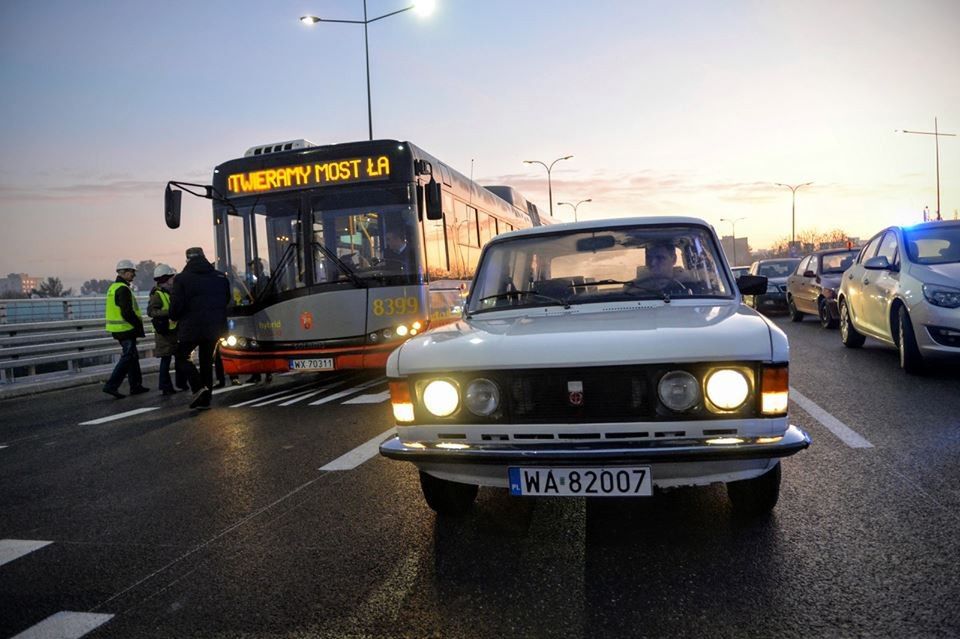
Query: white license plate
[[581, 482], [313, 364]]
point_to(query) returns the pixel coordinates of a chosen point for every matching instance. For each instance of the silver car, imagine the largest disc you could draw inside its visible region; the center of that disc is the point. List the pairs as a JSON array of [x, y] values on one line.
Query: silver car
[[904, 290]]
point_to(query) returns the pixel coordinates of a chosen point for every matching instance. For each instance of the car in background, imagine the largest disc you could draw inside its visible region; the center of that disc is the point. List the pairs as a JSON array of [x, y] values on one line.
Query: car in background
[[740, 270], [776, 271], [812, 289], [598, 359], [904, 290]]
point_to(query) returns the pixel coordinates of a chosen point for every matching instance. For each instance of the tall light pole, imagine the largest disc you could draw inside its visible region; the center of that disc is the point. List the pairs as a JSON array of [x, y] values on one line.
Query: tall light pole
[[549, 183], [423, 7], [793, 209], [575, 206], [733, 229], [936, 137]]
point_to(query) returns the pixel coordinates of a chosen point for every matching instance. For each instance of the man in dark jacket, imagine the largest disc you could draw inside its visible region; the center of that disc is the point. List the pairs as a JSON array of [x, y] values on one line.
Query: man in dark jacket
[[124, 324], [199, 306]]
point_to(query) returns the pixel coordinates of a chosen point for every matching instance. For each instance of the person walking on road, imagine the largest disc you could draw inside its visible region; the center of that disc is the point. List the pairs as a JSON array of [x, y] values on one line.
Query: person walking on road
[[124, 324], [165, 329], [199, 306]]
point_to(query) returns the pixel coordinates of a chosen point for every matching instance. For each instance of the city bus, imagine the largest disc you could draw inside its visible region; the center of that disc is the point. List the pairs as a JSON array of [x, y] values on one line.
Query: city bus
[[337, 253]]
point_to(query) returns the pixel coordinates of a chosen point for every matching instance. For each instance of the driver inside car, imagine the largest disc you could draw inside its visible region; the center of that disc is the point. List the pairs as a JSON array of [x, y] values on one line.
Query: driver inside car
[[661, 257]]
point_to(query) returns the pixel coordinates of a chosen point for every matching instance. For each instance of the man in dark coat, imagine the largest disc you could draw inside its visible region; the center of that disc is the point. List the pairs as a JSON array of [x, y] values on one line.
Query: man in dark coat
[[199, 306]]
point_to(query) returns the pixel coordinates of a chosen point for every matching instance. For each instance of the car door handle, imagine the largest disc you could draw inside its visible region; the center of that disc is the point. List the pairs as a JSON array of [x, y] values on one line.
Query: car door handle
[[850, 277], [866, 280]]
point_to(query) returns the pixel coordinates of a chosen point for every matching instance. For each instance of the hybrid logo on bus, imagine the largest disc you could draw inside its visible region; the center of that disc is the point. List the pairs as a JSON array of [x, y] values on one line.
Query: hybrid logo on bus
[[306, 175]]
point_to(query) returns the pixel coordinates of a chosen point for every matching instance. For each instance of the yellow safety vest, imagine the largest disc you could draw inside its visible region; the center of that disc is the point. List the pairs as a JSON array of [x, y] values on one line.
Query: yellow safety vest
[[165, 305], [115, 321]]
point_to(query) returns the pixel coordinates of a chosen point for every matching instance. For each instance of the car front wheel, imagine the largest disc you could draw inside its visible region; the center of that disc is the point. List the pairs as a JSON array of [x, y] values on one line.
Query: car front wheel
[[911, 361], [757, 496], [795, 315], [850, 336], [447, 497]]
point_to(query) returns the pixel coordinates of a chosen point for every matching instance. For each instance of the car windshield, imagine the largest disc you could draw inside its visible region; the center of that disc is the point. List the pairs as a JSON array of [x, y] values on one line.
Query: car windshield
[[934, 245], [837, 262], [610, 264], [778, 268]]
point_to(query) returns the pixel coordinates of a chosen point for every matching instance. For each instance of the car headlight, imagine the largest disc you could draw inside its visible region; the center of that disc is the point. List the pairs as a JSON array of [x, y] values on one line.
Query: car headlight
[[942, 295], [772, 288], [482, 397], [441, 398], [727, 389], [679, 390]]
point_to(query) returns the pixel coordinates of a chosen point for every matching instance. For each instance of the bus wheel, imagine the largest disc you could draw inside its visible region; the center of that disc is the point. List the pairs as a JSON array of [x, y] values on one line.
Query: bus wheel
[[447, 497]]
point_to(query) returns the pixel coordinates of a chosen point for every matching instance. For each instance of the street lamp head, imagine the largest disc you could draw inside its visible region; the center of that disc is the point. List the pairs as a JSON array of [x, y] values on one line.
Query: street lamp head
[[529, 161], [566, 157], [309, 20], [590, 199], [424, 8]]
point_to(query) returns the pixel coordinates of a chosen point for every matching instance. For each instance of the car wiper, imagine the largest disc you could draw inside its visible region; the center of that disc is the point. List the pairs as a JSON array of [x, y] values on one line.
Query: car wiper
[[509, 294], [341, 265]]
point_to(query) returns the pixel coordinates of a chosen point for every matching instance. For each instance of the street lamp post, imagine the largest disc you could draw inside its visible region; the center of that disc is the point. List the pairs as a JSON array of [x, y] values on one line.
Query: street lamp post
[[733, 230], [793, 209], [549, 183], [423, 7], [936, 137], [575, 206]]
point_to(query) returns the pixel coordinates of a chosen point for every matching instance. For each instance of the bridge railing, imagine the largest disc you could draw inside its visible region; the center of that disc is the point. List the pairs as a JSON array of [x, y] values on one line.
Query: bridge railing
[[57, 308]]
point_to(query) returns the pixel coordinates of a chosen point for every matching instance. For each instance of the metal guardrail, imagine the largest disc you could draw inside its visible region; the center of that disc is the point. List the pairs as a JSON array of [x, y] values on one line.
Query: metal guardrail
[[57, 308]]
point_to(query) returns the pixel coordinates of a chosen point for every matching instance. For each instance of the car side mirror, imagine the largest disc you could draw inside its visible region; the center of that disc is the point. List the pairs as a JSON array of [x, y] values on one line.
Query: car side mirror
[[809, 273], [752, 284], [171, 207], [434, 200], [877, 263]]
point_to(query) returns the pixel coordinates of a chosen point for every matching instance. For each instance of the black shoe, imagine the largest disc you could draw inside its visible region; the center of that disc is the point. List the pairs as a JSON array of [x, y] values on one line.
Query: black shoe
[[269, 378], [115, 393], [168, 391], [139, 390], [201, 399]]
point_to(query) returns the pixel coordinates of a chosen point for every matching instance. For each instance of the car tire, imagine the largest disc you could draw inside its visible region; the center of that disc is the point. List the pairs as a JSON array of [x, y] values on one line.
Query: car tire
[[825, 320], [911, 361], [447, 497], [755, 497], [848, 334], [795, 315]]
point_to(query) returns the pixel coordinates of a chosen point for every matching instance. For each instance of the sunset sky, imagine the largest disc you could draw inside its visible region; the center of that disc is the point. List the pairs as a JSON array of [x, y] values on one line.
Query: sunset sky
[[692, 108]]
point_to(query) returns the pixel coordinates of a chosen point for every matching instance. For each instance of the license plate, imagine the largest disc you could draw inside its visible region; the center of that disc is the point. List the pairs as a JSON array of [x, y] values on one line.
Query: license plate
[[313, 364], [581, 482]]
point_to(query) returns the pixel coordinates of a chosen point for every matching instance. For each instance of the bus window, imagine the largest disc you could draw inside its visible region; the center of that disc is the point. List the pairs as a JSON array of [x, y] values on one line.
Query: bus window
[[238, 257], [436, 249], [487, 227]]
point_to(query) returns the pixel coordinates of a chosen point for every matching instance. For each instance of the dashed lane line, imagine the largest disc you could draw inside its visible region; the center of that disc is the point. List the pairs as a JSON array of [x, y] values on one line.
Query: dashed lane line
[[349, 391], [360, 454], [11, 549], [847, 435], [110, 418], [374, 398], [65, 625]]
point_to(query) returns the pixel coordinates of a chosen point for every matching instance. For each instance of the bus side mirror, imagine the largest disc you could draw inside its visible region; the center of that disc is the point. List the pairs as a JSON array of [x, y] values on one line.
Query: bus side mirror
[[434, 201], [171, 207]]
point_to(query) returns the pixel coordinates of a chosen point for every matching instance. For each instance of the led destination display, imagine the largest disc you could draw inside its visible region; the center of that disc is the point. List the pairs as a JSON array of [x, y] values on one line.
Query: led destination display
[[362, 169]]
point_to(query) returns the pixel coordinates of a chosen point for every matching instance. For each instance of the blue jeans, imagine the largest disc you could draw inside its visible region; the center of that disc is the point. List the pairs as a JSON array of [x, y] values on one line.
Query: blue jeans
[[127, 366]]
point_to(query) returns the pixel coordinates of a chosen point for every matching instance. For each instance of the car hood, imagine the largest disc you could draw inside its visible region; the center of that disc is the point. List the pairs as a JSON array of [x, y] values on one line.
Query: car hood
[[943, 274], [607, 336]]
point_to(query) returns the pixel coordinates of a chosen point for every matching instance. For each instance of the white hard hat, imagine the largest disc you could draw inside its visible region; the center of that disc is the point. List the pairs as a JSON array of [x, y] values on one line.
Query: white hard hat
[[162, 270], [125, 265]]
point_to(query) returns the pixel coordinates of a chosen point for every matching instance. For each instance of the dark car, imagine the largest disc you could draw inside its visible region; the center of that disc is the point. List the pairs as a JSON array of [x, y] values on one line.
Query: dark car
[[776, 271], [740, 270], [813, 286]]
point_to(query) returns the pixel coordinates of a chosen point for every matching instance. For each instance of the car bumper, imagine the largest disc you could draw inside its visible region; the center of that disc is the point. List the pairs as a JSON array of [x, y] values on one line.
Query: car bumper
[[929, 321], [771, 302], [674, 462]]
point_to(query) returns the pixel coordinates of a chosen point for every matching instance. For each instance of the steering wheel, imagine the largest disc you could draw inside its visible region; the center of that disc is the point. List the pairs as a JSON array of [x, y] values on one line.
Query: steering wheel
[[659, 285]]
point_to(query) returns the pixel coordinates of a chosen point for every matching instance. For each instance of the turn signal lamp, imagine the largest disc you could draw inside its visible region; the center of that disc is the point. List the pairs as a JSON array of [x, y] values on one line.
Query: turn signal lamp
[[774, 390], [402, 404]]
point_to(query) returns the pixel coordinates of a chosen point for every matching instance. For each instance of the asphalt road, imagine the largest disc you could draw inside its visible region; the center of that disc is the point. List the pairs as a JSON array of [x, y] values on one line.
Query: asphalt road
[[175, 523]]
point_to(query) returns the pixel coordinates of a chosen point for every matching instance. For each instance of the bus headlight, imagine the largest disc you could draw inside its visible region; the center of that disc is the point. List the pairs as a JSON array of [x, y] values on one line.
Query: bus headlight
[[679, 390], [231, 341], [482, 397], [441, 398], [727, 389]]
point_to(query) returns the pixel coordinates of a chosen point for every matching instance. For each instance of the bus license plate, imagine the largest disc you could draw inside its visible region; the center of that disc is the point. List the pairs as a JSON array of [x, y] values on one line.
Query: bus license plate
[[581, 482], [312, 364]]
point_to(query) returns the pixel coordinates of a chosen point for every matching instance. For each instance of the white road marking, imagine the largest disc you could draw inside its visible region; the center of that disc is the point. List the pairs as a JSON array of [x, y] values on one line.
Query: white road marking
[[287, 391], [129, 413], [847, 435], [11, 549], [317, 391], [375, 398], [349, 391], [360, 454], [227, 389], [3, 446], [65, 625]]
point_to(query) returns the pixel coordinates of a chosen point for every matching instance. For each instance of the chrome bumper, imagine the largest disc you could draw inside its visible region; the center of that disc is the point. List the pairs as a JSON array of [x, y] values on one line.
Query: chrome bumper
[[670, 451]]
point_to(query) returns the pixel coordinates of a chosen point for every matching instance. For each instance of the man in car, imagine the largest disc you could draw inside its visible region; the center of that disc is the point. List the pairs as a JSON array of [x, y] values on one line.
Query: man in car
[[661, 258]]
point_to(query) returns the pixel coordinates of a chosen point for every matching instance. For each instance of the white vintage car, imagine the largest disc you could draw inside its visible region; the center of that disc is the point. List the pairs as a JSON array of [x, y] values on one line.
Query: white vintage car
[[602, 358]]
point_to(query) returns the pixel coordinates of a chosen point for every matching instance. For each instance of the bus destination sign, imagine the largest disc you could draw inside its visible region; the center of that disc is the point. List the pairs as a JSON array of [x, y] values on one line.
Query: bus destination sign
[[363, 169]]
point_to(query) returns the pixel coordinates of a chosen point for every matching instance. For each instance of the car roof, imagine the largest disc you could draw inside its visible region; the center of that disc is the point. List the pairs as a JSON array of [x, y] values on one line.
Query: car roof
[[607, 223]]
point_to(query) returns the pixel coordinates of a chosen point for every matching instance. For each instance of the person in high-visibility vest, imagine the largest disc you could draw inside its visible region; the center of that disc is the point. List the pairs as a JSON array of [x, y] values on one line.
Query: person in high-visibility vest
[[125, 325], [165, 329]]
